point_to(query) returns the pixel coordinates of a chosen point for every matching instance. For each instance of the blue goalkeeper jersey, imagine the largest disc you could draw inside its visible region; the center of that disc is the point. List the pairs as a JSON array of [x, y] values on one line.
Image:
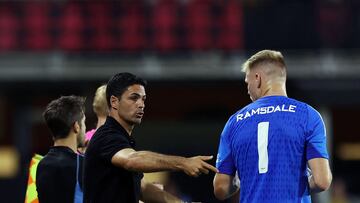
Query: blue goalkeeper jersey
[[268, 143]]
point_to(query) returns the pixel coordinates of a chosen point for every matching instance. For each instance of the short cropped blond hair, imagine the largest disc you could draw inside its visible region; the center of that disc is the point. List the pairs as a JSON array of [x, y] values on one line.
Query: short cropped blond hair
[[100, 106], [264, 56]]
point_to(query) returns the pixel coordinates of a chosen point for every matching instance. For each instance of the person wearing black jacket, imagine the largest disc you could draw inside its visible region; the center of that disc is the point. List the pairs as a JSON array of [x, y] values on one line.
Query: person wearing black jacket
[[59, 173], [114, 169]]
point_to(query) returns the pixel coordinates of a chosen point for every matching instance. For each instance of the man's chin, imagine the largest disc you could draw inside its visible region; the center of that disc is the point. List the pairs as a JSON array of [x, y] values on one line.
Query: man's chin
[[138, 121], [135, 121]]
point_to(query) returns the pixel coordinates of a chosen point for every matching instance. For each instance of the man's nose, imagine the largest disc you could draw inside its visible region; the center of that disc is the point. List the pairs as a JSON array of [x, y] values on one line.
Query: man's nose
[[141, 104]]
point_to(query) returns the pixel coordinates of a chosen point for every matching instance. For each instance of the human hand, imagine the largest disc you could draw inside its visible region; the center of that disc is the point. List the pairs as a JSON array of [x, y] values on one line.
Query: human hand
[[195, 166]]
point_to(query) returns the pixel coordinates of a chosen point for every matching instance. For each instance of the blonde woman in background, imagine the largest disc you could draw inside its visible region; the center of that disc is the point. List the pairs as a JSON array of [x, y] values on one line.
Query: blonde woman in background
[[101, 110]]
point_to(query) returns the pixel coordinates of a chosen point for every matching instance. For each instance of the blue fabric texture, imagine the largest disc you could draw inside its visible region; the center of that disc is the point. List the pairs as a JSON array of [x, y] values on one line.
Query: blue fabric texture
[[272, 161]]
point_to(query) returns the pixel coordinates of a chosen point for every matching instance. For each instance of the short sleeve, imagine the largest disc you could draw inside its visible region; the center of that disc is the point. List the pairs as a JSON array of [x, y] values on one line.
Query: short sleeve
[[111, 143], [316, 136], [224, 161]]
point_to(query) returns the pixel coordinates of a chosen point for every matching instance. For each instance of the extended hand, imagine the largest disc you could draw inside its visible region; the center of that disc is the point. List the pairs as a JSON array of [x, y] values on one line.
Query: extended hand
[[195, 166]]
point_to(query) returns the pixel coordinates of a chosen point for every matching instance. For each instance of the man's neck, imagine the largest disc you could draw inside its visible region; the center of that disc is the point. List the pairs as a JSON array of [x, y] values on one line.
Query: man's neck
[[123, 123], [101, 121], [275, 90], [69, 141]]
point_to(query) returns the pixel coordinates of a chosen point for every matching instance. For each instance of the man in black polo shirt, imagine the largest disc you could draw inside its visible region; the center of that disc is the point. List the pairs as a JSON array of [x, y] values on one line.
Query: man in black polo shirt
[[113, 167], [59, 172]]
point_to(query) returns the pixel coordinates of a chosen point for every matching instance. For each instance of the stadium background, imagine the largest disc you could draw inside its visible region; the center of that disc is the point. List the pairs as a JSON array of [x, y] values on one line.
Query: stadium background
[[190, 51]]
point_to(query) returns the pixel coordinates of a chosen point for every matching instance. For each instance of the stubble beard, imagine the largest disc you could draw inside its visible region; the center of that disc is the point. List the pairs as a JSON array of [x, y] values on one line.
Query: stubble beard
[[80, 140]]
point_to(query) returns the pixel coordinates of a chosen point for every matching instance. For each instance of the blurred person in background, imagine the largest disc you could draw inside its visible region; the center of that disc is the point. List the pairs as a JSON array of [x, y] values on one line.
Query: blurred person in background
[[59, 174], [101, 110], [272, 141], [31, 192], [113, 168]]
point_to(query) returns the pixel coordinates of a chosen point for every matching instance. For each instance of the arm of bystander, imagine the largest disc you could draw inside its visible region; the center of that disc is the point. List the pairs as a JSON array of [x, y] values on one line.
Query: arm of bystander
[[152, 193]]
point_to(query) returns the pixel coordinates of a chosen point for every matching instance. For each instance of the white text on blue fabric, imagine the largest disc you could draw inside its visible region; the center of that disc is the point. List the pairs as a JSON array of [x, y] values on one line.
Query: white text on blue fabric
[[266, 110]]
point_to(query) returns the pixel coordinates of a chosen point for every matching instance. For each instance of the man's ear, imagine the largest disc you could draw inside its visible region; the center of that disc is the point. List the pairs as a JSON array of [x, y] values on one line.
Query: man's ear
[[258, 80], [114, 102], [76, 127]]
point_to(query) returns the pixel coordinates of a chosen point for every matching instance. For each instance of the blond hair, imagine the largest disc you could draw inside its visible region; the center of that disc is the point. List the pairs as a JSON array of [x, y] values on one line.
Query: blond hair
[[264, 56], [100, 106]]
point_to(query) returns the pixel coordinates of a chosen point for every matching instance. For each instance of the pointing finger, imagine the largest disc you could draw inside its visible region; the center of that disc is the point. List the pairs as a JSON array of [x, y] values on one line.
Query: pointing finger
[[211, 167], [204, 170], [206, 158]]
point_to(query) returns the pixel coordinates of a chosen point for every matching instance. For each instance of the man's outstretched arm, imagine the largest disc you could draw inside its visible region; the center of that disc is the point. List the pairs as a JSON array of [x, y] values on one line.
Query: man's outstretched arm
[[146, 161]]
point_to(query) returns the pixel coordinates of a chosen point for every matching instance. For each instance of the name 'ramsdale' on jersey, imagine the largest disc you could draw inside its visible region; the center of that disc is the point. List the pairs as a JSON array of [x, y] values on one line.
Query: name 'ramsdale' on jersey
[[266, 110]]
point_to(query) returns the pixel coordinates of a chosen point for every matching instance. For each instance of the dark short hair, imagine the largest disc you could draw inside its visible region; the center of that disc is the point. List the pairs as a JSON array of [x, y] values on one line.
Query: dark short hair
[[119, 83], [61, 114]]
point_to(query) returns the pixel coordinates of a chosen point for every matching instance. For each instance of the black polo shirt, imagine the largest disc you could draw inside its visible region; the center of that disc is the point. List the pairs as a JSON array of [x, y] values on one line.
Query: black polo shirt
[[104, 182], [56, 175]]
